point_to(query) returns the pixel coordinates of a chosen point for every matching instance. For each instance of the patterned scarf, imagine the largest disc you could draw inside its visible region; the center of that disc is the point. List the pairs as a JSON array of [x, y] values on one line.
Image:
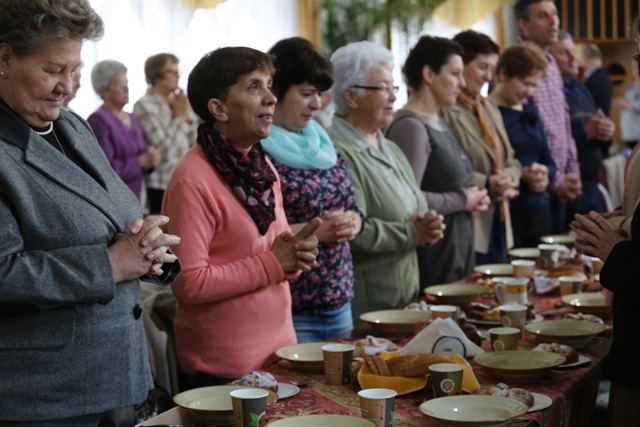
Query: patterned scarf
[[249, 175], [487, 134]]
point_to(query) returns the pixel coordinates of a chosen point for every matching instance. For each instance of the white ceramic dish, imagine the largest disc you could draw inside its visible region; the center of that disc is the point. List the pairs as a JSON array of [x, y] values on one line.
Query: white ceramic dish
[[540, 402], [306, 357], [322, 421], [397, 322], [561, 239], [588, 303], [212, 404], [456, 294], [519, 365], [526, 253], [472, 410], [494, 269], [575, 333], [286, 390], [582, 360]]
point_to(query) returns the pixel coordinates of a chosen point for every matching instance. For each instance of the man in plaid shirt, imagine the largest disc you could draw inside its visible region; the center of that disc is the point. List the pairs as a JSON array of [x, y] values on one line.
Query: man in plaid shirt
[[538, 22]]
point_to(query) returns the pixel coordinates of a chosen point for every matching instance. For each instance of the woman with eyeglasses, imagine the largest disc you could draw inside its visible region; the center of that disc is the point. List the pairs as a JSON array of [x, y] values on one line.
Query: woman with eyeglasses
[[118, 132], [397, 218], [433, 71], [167, 120]]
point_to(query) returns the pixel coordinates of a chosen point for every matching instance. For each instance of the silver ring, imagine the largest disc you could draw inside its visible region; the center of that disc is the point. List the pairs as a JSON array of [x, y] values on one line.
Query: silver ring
[[155, 261]]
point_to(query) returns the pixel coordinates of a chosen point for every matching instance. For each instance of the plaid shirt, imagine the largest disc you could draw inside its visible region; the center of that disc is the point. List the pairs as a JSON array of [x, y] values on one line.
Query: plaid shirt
[[172, 136], [554, 112]]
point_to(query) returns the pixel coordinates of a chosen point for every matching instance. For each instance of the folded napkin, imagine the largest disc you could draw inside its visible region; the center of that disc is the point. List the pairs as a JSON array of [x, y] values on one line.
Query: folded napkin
[[442, 336], [404, 385]]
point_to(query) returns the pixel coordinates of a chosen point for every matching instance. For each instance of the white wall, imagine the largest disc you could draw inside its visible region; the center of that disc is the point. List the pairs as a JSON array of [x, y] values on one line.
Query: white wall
[[137, 29]]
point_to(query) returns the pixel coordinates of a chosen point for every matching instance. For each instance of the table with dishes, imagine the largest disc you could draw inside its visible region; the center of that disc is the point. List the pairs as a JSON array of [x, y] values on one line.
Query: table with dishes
[[564, 393]]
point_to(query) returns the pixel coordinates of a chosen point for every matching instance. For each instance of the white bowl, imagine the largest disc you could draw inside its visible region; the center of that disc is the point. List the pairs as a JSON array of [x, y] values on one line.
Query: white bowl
[[561, 239], [519, 365], [322, 421], [575, 333], [213, 404], [457, 294], [306, 357], [472, 410], [588, 303], [525, 253], [403, 322]]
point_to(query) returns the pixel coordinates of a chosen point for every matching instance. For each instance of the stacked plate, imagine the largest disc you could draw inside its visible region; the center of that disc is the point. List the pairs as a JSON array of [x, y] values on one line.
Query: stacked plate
[[397, 322]]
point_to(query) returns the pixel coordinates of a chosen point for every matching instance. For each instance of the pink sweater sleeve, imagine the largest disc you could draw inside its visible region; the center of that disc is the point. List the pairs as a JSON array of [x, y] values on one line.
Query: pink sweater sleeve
[[221, 252]]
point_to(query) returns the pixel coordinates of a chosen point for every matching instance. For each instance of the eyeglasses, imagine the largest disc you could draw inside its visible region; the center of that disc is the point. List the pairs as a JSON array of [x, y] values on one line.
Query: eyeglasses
[[383, 89]]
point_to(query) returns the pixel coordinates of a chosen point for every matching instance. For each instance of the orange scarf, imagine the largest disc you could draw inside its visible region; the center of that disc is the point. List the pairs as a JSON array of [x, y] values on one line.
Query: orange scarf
[[490, 138]]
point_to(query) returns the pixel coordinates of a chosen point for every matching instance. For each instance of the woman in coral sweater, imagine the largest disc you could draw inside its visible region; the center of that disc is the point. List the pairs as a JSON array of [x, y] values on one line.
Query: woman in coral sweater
[[234, 303]]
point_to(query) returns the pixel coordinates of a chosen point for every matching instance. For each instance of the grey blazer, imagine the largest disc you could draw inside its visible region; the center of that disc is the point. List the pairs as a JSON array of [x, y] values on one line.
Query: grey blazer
[[71, 340]]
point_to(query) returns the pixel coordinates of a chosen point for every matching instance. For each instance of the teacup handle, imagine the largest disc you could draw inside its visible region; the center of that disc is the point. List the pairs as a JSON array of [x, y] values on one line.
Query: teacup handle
[[499, 289]]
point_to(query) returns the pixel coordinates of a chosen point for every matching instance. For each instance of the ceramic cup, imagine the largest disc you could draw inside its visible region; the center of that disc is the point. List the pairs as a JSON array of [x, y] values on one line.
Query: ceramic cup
[[596, 264], [570, 285], [249, 406], [549, 255], [504, 338], [523, 267], [444, 311], [446, 379], [514, 289], [377, 406], [513, 315], [337, 363]]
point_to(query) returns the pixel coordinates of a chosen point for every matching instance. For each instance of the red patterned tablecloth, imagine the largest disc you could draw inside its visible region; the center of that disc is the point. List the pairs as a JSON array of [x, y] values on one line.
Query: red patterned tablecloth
[[573, 392]]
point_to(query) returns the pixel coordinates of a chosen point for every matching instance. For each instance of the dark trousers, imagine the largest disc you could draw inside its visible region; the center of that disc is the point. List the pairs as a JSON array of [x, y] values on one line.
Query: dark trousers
[[205, 380], [559, 216], [528, 228], [119, 417]]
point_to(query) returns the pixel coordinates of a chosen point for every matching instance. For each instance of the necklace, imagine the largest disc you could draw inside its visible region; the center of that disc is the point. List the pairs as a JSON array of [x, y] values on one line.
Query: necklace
[[46, 132], [57, 141]]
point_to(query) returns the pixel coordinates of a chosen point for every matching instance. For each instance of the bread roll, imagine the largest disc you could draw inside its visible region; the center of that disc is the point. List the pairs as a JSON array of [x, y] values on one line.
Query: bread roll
[[567, 351], [414, 365]]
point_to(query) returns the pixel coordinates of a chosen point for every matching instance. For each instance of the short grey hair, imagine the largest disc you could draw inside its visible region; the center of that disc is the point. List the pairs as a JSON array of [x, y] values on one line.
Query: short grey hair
[[25, 24], [103, 73], [592, 51], [351, 65], [563, 35]]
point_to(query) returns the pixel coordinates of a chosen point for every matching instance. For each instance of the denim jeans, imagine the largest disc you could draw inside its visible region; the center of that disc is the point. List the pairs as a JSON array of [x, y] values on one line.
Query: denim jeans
[[324, 326]]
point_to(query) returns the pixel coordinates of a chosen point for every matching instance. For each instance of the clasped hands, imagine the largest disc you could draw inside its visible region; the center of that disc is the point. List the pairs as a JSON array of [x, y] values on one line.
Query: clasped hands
[[536, 176], [430, 227], [502, 186], [595, 236], [142, 250], [478, 199], [599, 127], [339, 226], [297, 251]]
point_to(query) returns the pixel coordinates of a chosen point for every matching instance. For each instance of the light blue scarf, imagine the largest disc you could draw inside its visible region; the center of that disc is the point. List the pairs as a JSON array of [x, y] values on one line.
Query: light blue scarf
[[309, 148]]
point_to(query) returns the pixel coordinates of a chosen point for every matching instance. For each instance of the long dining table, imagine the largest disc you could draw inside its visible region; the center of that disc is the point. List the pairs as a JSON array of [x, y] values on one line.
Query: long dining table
[[572, 391]]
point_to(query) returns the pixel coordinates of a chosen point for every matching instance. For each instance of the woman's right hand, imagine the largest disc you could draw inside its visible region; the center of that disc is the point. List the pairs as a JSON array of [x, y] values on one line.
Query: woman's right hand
[[142, 250], [180, 104], [430, 227], [536, 176], [299, 251], [477, 199]]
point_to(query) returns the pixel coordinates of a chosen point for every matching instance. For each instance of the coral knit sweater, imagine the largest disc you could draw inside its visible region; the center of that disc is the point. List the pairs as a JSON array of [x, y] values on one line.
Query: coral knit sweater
[[234, 304]]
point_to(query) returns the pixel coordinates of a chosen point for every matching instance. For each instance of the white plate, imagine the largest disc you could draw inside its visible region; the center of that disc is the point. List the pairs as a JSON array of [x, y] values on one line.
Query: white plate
[[494, 269], [582, 360], [540, 401], [472, 410], [536, 318], [287, 390]]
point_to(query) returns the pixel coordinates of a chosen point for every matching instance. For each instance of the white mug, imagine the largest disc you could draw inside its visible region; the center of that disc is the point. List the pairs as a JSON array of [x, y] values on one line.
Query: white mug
[[512, 290]]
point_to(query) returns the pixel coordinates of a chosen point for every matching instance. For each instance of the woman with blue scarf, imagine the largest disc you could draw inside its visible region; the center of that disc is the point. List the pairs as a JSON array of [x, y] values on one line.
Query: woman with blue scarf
[[314, 183]]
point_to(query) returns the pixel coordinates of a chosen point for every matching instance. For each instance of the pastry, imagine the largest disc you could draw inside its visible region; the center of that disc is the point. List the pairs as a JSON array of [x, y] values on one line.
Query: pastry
[[263, 380], [470, 331], [503, 390], [567, 351], [582, 316], [373, 346]]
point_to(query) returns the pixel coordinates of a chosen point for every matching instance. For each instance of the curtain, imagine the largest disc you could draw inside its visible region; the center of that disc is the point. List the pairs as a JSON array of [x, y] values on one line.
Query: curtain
[[309, 21], [465, 13]]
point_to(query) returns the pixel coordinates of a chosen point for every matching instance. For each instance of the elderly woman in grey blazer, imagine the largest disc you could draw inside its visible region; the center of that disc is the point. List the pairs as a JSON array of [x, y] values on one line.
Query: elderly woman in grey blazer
[[397, 218], [72, 241]]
